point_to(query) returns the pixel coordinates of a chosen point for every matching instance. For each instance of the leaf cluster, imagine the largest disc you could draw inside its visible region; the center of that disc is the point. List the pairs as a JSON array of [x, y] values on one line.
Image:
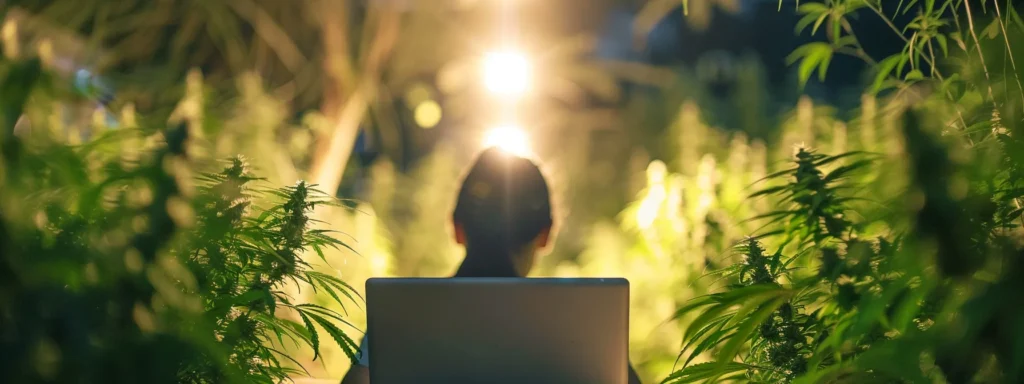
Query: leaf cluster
[[118, 264]]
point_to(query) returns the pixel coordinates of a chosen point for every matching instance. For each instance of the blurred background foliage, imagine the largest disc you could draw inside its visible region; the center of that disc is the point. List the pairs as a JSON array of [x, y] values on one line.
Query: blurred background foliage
[[657, 122], [123, 262]]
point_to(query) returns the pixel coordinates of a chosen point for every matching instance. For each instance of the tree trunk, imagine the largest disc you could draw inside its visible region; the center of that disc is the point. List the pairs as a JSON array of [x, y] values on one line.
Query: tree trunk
[[348, 93]]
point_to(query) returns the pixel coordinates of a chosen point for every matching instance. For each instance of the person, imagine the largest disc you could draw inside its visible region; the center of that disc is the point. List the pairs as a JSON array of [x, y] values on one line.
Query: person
[[503, 218]]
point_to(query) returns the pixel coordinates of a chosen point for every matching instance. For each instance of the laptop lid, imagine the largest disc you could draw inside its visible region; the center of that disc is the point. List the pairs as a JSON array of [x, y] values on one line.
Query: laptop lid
[[498, 330]]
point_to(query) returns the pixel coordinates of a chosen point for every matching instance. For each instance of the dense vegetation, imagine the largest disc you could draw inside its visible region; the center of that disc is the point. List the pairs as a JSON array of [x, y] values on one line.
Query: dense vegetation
[[909, 275], [119, 264], [811, 246]]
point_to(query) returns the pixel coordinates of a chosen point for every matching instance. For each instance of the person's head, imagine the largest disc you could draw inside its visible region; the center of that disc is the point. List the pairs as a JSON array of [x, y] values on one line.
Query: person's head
[[503, 215]]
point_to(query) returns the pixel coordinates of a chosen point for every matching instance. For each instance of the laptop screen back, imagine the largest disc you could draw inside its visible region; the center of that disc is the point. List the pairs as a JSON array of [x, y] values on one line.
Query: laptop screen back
[[500, 330]]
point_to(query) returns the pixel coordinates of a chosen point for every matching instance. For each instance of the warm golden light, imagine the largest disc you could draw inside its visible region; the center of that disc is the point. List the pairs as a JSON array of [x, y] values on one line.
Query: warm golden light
[[506, 73], [427, 114], [508, 138]]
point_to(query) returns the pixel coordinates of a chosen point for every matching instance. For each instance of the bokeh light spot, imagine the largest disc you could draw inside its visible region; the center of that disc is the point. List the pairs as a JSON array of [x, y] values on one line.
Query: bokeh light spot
[[427, 114]]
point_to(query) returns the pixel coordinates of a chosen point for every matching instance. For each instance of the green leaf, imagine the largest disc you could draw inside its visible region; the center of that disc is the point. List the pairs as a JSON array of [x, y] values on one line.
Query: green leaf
[[773, 214], [226, 302], [292, 329], [753, 303], [846, 41], [296, 362], [768, 234], [805, 22], [279, 331], [704, 319], [1015, 17], [770, 191], [748, 299], [826, 59], [909, 6], [907, 309], [744, 333], [693, 304], [842, 171], [894, 359], [817, 23], [330, 291], [905, 59], [914, 75], [898, 7], [346, 343], [971, 98], [943, 44], [811, 56], [831, 159], [701, 372], [812, 8], [992, 30], [852, 6], [313, 337], [313, 308], [341, 285], [815, 376], [711, 339], [885, 68]]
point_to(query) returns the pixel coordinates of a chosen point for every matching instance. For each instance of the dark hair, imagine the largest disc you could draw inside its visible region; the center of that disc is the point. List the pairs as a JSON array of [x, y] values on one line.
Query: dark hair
[[504, 203]]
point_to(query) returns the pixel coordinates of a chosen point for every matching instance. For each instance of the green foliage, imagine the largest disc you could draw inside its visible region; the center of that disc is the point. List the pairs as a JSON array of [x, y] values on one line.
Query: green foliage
[[161, 41], [415, 208], [686, 214], [918, 288], [893, 259], [241, 265], [119, 265], [779, 299]]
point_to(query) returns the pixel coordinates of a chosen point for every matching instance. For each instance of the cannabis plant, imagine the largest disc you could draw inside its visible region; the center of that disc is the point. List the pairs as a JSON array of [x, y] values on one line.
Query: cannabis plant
[[775, 314], [119, 265], [920, 290], [242, 263]]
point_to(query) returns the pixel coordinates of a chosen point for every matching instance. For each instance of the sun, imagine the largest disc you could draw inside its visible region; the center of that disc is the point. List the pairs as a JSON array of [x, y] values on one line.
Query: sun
[[506, 73]]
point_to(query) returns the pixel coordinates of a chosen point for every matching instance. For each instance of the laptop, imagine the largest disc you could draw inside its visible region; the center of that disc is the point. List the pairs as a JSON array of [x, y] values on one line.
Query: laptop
[[497, 330]]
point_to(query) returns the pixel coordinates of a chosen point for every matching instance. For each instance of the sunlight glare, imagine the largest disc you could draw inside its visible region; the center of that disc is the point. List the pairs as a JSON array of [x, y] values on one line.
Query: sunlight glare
[[508, 138], [506, 73]]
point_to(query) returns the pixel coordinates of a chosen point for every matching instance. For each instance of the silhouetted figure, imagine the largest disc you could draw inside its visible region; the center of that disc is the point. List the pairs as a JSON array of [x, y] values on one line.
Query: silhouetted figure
[[502, 218]]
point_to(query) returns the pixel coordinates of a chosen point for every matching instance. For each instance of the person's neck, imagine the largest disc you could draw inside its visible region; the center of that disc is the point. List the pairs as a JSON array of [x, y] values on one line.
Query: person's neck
[[488, 263]]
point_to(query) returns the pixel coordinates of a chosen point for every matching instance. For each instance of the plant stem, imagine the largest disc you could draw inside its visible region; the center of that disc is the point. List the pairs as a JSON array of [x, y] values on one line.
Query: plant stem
[[977, 46], [894, 29], [1009, 51]]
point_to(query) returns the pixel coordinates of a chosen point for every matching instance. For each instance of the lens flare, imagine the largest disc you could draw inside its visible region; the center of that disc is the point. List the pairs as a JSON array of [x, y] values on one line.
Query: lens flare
[[506, 73], [510, 139]]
